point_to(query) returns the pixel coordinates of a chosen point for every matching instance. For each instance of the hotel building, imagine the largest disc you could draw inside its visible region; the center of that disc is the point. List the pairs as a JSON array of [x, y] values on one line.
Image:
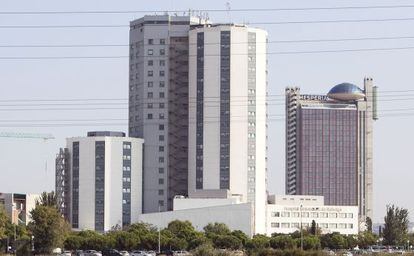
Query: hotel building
[[329, 145]]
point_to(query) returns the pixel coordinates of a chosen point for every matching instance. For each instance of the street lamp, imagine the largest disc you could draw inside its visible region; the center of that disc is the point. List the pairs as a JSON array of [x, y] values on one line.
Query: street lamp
[[301, 229]]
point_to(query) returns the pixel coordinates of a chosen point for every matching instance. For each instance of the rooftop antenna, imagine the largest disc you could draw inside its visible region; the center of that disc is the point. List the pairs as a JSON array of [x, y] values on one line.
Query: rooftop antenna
[[228, 8]]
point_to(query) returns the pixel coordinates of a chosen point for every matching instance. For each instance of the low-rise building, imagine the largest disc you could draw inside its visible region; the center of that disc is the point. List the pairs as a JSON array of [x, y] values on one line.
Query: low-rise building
[[284, 214], [287, 214], [18, 206]]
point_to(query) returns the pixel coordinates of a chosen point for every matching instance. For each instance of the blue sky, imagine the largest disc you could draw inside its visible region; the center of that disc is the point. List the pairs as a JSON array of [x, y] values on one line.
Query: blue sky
[[28, 165]]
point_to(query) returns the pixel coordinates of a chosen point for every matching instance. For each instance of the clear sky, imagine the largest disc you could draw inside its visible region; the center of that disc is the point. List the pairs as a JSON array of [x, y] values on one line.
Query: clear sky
[[28, 165]]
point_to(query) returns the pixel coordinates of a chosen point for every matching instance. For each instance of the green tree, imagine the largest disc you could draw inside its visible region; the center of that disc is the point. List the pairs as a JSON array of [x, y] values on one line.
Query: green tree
[[215, 229], [123, 240], [147, 234], [339, 241], [4, 222], [366, 239], [48, 228], [282, 242], [47, 199], [310, 243], [73, 242], [313, 228], [227, 242], [396, 226], [241, 236], [258, 242], [368, 224]]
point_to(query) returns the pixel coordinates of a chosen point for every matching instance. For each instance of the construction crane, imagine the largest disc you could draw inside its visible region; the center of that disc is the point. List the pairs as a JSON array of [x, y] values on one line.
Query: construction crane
[[26, 135]]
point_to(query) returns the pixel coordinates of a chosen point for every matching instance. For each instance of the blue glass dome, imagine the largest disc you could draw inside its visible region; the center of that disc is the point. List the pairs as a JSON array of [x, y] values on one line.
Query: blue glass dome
[[346, 92]]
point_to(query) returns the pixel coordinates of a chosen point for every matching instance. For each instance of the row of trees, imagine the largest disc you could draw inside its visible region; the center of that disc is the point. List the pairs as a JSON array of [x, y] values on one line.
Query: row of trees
[[50, 230]]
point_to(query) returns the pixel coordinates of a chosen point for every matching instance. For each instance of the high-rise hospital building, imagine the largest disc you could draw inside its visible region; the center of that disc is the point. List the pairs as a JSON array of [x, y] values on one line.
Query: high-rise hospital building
[[329, 145]]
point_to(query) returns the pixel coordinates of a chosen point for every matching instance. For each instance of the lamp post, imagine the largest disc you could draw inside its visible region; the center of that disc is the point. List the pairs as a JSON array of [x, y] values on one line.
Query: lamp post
[[301, 229], [159, 231]]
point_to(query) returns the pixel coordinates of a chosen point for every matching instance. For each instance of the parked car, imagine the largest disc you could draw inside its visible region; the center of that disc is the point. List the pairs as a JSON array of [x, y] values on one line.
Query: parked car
[[124, 253], [181, 253], [111, 252], [79, 253], [66, 253], [92, 253], [139, 253]]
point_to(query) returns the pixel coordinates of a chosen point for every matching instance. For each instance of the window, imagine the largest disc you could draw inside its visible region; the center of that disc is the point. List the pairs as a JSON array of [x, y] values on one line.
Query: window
[[150, 95], [162, 41], [275, 224], [151, 41], [149, 105], [161, 127], [150, 84], [162, 63], [275, 214], [162, 73], [150, 73], [295, 214], [150, 52], [333, 215], [285, 225], [305, 214], [150, 63], [162, 95], [295, 225], [160, 192], [161, 181], [161, 170], [161, 159], [323, 215], [161, 149], [161, 105], [149, 116], [314, 215], [161, 138], [162, 51], [162, 83], [161, 203], [349, 215], [342, 215], [333, 225], [161, 116], [285, 214]]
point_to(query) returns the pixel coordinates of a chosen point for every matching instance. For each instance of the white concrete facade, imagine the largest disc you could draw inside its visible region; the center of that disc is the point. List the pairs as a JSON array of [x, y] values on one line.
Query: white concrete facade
[[244, 170], [121, 188], [235, 216], [288, 213]]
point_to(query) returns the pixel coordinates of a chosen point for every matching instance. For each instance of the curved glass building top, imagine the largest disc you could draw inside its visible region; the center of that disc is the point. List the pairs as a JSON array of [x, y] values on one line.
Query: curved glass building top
[[346, 92]]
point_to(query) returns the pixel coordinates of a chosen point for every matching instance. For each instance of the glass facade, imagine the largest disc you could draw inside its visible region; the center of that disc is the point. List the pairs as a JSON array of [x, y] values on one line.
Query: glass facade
[[75, 184], [200, 110], [99, 185], [225, 110], [126, 184], [327, 159]]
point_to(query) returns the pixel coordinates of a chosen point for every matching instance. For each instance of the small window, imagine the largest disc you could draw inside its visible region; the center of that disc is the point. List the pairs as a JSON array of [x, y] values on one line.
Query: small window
[[161, 170], [162, 105], [151, 41], [161, 148], [149, 116], [161, 116], [162, 73], [161, 203], [161, 127], [161, 138], [162, 41], [162, 83], [150, 52], [161, 159], [150, 63], [162, 63], [162, 95], [161, 181], [150, 73], [150, 84], [162, 51], [160, 192], [150, 95], [149, 105]]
